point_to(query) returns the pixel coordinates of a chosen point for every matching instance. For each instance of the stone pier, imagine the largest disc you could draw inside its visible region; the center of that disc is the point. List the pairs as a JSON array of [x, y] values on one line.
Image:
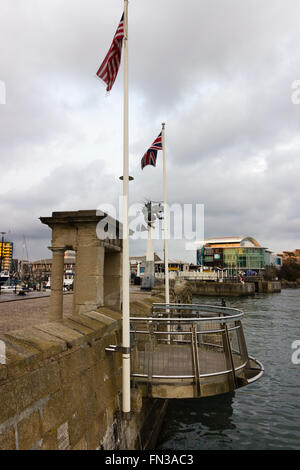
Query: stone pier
[[98, 262], [59, 387]]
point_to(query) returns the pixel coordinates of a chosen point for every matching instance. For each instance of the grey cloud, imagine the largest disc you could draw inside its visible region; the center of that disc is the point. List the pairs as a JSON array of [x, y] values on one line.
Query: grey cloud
[[219, 74]]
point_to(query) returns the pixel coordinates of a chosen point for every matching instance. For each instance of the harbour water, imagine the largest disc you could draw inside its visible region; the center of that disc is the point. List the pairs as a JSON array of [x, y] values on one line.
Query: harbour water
[[262, 416]]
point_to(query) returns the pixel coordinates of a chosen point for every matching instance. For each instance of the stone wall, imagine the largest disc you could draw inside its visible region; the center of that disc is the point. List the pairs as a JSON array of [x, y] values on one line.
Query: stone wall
[[290, 284], [60, 389], [270, 287], [222, 288], [182, 292]]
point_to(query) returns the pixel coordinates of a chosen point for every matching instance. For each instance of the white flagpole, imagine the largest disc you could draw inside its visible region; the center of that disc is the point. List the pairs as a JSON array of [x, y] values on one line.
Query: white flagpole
[[167, 293], [125, 264]]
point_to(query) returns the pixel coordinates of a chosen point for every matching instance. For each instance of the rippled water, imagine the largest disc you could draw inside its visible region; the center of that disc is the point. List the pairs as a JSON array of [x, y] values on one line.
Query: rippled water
[[263, 415]]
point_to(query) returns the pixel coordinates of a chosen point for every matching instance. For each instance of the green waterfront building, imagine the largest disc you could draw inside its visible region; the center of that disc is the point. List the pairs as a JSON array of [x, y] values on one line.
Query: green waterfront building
[[233, 254]]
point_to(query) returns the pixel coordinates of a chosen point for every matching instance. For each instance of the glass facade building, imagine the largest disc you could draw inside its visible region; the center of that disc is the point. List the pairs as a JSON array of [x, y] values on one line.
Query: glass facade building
[[244, 258], [243, 253]]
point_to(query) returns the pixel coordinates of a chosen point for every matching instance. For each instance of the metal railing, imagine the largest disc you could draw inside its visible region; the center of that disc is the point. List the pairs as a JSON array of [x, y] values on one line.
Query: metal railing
[[192, 343]]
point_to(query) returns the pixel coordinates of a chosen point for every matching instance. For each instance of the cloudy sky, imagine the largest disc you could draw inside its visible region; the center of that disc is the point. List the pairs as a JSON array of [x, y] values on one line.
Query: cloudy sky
[[220, 73]]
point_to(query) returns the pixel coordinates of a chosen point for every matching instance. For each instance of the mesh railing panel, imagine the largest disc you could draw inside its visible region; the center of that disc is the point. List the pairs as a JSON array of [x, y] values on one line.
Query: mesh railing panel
[[164, 344]]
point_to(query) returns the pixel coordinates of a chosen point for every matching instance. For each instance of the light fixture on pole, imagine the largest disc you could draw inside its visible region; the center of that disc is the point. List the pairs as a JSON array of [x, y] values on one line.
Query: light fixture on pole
[[130, 178]]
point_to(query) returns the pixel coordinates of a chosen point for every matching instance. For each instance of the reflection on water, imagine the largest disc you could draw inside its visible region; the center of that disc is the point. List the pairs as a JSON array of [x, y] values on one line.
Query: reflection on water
[[189, 422], [264, 415]]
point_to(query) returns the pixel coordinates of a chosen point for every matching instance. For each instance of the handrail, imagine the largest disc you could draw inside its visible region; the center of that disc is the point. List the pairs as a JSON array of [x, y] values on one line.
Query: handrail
[[213, 374], [194, 306], [186, 319], [163, 350], [203, 332], [228, 312], [261, 370]]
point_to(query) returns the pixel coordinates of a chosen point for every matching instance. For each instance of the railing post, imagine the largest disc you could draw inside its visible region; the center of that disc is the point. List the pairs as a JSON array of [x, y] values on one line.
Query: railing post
[[242, 343], [134, 358], [228, 354], [195, 355], [150, 359]]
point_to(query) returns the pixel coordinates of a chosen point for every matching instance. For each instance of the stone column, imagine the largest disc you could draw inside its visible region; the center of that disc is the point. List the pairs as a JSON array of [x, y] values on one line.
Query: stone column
[[57, 279], [89, 285], [113, 279]]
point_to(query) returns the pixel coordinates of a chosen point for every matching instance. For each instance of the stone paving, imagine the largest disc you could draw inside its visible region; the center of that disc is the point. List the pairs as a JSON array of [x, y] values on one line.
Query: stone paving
[[28, 312], [23, 313]]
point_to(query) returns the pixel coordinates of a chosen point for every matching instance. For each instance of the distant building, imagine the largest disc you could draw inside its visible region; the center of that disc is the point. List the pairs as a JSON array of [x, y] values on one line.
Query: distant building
[[290, 256], [175, 265], [6, 254], [41, 269], [276, 260], [14, 265], [25, 269], [233, 254], [138, 263]]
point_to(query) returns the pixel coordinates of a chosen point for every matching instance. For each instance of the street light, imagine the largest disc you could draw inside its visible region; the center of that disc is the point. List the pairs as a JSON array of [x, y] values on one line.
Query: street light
[[130, 178]]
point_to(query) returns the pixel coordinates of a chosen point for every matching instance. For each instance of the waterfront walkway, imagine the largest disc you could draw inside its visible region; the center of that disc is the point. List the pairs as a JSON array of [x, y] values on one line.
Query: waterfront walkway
[[16, 314], [27, 312]]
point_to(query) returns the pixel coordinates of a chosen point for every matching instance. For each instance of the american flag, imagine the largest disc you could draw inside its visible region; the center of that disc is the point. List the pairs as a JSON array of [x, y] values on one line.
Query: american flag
[[109, 68], [150, 156]]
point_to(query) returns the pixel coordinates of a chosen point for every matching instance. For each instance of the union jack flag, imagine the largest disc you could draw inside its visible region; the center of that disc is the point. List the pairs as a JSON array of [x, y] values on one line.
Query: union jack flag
[[150, 156], [109, 68]]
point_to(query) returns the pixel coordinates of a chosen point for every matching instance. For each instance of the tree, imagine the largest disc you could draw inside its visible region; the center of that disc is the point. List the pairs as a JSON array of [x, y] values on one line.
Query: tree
[[290, 272], [270, 273]]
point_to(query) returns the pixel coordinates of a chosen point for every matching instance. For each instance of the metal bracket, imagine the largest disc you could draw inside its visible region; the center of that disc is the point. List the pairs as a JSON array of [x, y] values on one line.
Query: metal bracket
[[115, 348]]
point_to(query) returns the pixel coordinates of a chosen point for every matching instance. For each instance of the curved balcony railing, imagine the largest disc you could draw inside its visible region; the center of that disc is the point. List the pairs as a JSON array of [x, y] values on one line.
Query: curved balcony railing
[[190, 350]]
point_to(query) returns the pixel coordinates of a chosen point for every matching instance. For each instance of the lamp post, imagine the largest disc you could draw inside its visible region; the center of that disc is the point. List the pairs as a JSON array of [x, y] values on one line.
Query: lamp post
[[1, 259]]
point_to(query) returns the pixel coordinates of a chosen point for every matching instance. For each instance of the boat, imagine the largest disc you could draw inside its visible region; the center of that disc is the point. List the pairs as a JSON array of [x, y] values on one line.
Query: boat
[[10, 289], [4, 276]]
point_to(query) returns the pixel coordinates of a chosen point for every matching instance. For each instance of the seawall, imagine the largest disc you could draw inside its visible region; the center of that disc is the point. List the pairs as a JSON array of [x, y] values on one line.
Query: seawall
[[222, 288], [234, 289], [60, 389]]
